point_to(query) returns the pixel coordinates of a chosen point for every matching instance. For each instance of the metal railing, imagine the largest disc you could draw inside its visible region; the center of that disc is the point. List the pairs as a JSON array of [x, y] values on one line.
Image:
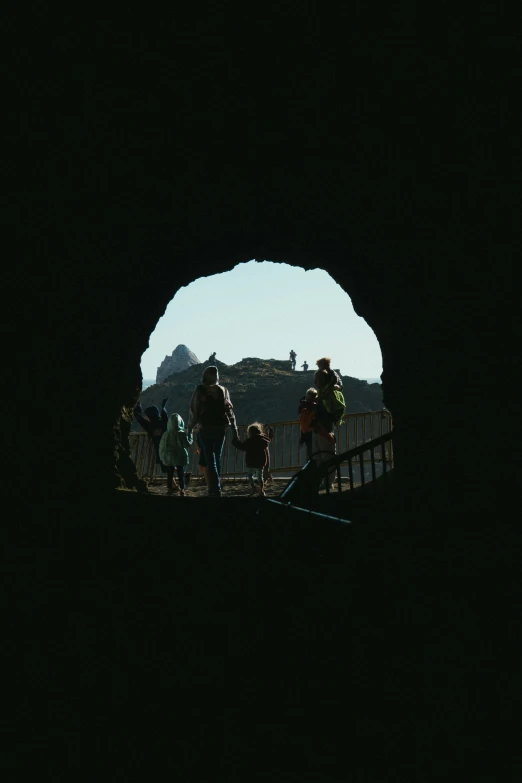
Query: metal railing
[[355, 458], [286, 455]]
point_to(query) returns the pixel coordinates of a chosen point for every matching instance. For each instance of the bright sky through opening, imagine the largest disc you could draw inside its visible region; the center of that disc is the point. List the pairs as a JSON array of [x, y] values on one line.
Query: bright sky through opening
[[265, 309]]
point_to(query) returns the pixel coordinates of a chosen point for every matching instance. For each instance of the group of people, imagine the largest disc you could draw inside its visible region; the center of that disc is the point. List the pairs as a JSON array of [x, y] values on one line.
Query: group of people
[[293, 357], [211, 412]]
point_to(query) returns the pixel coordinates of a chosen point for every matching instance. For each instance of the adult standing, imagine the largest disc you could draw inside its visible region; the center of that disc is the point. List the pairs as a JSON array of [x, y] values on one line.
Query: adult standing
[[305, 366], [211, 408], [323, 438], [293, 357]]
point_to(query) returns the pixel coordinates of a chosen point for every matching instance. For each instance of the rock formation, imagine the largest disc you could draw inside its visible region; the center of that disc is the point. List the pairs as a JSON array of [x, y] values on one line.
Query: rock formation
[[180, 359]]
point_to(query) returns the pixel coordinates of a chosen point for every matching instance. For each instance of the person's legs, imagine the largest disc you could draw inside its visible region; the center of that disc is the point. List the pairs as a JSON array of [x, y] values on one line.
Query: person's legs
[[250, 475], [170, 476], [213, 439], [327, 449], [261, 482], [307, 440], [180, 469], [202, 464]]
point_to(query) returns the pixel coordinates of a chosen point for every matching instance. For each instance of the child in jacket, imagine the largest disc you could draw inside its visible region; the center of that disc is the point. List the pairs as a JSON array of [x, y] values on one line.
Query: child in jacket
[[173, 452], [256, 450]]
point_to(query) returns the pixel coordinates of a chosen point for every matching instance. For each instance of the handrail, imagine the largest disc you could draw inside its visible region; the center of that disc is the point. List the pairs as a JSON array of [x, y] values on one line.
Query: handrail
[[360, 449], [325, 468]]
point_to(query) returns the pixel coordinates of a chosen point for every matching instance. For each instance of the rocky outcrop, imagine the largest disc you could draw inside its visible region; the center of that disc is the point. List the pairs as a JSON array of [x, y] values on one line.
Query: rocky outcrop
[[261, 389], [180, 359]]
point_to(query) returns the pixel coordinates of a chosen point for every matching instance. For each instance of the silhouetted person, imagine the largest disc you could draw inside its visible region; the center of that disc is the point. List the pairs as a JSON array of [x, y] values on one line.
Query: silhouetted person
[[307, 411], [212, 357], [330, 411], [173, 452], [154, 424], [304, 366], [333, 376], [210, 407], [256, 449], [293, 357]]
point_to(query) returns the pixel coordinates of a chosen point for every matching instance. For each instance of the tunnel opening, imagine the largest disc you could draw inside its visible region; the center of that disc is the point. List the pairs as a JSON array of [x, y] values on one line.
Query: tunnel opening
[[264, 324]]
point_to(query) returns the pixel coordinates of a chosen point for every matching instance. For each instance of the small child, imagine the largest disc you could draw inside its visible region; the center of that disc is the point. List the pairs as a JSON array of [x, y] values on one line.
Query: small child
[[307, 414], [173, 452], [256, 448]]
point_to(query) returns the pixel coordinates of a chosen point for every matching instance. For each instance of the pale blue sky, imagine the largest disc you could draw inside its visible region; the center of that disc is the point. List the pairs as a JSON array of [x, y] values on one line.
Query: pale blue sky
[[264, 309]]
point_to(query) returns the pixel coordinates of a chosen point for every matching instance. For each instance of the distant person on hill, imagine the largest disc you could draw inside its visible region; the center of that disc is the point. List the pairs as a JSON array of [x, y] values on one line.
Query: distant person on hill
[[293, 357], [154, 424], [334, 377], [256, 449], [212, 357], [211, 408], [173, 452], [304, 366]]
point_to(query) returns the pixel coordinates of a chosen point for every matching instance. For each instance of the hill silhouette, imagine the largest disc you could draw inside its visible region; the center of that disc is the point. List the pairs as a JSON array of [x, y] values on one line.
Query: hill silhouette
[[260, 389]]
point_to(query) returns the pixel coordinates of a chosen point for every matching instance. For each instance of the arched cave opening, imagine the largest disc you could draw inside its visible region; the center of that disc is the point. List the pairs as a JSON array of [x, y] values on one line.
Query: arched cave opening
[[248, 320]]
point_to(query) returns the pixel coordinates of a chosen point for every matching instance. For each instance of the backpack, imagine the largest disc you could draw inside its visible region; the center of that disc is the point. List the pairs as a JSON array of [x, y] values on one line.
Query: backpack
[[213, 407], [335, 405]]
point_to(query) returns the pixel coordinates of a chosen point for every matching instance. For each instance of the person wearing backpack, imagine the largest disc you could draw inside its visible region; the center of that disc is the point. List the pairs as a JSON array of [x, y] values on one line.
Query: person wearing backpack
[[211, 409], [330, 396], [154, 424], [173, 452], [330, 413], [334, 379]]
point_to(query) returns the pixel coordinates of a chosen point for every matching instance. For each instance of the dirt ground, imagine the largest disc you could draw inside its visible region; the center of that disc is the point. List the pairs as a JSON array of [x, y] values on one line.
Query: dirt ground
[[238, 487]]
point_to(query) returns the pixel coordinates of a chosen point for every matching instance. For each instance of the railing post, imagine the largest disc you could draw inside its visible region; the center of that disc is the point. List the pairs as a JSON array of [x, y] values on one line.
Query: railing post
[[361, 468]]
